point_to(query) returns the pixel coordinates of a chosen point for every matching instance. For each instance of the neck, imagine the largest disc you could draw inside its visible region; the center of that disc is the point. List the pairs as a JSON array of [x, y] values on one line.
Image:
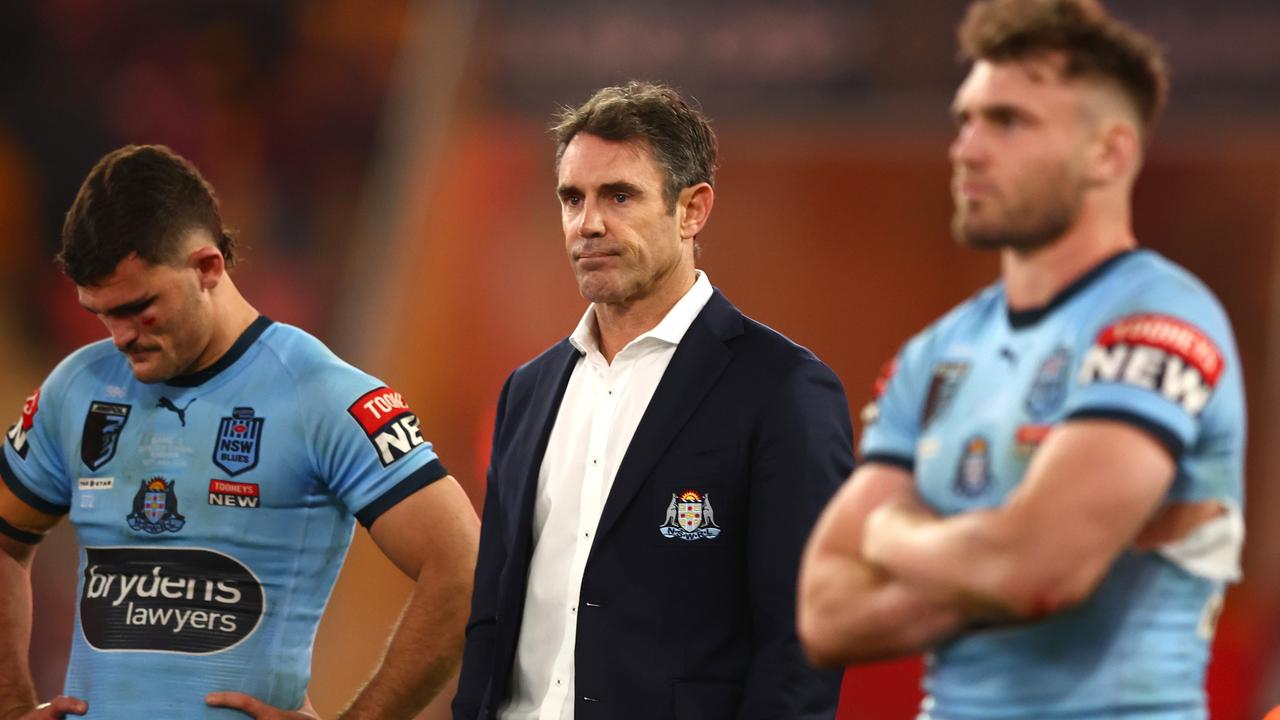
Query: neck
[[619, 323], [1032, 279], [233, 316]]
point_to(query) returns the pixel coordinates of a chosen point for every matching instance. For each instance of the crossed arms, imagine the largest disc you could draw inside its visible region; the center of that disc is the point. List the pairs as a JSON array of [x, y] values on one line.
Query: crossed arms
[[883, 575]]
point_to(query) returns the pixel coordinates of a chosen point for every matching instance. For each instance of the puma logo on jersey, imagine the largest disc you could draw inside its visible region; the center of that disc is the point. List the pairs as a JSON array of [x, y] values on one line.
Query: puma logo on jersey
[[181, 412], [1158, 353]]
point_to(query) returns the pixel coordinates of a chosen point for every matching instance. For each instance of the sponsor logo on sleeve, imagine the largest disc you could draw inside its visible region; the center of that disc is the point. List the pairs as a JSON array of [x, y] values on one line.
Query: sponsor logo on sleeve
[[183, 600], [1159, 353], [388, 422], [102, 426], [239, 441], [233, 494], [155, 507], [17, 434], [690, 517]]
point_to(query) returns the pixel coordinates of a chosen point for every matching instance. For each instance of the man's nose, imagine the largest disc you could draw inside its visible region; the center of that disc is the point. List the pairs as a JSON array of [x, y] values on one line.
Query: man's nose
[[123, 331], [591, 219]]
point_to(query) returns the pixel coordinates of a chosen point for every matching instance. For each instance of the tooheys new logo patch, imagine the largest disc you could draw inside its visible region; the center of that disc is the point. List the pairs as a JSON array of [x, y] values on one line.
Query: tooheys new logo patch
[[18, 433], [184, 600], [1158, 353], [388, 422]]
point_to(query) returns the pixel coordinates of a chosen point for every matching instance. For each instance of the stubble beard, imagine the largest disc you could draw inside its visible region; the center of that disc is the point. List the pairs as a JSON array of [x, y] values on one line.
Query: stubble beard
[[1029, 226]]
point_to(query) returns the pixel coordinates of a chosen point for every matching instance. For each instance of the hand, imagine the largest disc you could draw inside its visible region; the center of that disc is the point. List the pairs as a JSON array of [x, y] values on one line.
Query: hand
[[57, 709], [259, 710]]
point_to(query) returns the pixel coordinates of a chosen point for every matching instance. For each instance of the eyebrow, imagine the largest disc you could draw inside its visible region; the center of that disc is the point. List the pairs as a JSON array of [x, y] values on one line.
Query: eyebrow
[[994, 111], [130, 308], [609, 188]]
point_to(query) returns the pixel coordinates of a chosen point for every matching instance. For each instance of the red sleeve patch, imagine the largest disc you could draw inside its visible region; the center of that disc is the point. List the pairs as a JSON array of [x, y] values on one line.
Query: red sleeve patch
[[386, 419], [882, 380], [1168, 334], [1157, 352], [376, 408], [17, 434]]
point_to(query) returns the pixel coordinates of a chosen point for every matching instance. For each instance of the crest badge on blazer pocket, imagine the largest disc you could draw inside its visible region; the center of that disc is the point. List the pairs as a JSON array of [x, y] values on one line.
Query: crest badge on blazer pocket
[[690, 517]]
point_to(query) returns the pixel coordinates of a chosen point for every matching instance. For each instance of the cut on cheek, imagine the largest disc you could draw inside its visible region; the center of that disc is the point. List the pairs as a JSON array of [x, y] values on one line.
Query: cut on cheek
[[147, 321]]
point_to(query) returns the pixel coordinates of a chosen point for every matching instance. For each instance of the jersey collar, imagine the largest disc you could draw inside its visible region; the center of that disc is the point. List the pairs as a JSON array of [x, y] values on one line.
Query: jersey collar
[[1019, 319], [232, 354]]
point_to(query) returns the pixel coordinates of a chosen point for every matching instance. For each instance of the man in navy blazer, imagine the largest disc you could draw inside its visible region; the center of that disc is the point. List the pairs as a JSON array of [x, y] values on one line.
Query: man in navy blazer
[[655, 475]]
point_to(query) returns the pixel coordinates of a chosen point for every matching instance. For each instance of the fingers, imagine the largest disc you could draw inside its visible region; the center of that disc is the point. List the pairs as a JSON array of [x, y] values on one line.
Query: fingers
[[255, 708], [246, 704], [59, 708]]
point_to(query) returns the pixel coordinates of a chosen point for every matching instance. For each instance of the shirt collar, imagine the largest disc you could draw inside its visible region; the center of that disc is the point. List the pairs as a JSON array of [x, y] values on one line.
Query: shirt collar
[[670, 329]]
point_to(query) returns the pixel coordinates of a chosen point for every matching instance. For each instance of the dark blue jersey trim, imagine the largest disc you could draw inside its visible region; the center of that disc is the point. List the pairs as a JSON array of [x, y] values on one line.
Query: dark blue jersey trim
[[24, 494], [232, 354], [1025, 318], [1162, 433], [414, 482], [902, 461], [22, 536]]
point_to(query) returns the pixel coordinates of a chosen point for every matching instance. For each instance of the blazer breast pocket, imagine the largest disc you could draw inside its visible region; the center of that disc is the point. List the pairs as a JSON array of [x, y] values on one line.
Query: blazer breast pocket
[[687, 465]]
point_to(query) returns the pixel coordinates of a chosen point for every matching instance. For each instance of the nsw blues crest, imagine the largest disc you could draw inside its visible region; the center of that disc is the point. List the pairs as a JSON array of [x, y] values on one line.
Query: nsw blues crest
[[101, 436], [155, 507], [1049, 388], [239, 440], [690, 517]]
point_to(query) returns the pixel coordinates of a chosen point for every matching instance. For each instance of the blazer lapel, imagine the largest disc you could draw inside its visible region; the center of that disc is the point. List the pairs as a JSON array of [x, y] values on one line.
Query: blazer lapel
[[544, 405], [699, 359]]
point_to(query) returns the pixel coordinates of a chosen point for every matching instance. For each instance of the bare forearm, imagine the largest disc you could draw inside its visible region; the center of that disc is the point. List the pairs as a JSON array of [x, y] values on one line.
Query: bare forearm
[[17, 692], [423, 654], [852, 613]]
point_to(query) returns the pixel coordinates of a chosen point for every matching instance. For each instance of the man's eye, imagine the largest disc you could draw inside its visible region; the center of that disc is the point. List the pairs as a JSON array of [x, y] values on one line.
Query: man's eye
[[572, 200], [621, 197]]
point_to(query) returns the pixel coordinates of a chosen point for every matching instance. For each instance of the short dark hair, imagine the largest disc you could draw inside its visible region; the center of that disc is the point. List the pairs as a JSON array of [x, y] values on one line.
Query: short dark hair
[[681, 136], [1094, 43], [140, 199]]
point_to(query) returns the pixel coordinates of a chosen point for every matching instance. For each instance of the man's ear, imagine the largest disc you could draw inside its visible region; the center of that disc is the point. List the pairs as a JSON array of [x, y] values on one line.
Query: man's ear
[[694, 205], [1116, 153], [209, 265]]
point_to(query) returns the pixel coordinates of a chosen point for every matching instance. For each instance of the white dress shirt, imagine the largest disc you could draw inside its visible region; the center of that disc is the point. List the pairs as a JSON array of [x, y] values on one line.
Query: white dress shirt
[[601, 408]]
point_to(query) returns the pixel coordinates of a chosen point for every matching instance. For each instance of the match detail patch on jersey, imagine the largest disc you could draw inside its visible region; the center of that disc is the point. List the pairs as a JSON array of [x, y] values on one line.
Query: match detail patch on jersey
[[388, 422], [690, 517], [234, 494], [1158, 353], [947, 377], [183, 600], [17, 434], [102, 427], [239, 441]]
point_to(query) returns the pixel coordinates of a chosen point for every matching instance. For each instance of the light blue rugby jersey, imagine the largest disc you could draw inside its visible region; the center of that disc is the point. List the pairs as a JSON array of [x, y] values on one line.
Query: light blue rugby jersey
[[1137, 339], [213, 512]]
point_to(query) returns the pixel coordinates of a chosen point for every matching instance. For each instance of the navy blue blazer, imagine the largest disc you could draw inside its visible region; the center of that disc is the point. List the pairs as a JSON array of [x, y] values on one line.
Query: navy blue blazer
[[670, 627]]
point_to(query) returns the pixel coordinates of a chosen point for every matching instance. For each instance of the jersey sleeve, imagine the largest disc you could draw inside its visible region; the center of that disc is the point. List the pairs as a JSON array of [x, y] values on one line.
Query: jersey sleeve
[[1159, 359], [892, 420], [367, 444], [33, 464]]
